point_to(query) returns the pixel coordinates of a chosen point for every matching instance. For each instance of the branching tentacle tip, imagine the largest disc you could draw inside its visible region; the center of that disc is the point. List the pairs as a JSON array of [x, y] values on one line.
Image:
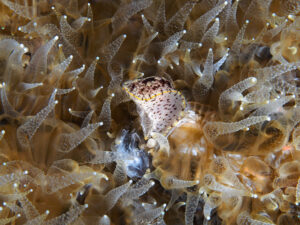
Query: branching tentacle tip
[[56, 38], [47, 212], [86, 205], [19, 215]]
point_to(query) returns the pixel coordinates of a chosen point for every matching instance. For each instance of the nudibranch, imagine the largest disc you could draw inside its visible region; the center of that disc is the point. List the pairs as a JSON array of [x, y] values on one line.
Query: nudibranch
[[160, 106]]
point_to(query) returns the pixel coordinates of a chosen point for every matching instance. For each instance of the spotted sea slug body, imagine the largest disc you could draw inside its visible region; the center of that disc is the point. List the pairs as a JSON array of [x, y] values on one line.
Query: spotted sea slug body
[[159, 103]]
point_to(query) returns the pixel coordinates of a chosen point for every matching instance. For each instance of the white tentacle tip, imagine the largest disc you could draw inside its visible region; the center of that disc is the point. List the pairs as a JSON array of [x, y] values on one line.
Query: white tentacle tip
[[254, 196], [253, 80]]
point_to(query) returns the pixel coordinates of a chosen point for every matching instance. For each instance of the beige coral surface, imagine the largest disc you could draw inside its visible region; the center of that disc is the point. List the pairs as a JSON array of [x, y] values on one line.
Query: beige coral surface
[[77, 147]]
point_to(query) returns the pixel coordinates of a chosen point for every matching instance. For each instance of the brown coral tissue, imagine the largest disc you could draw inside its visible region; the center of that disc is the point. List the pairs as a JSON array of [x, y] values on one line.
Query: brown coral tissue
[[137, 112]]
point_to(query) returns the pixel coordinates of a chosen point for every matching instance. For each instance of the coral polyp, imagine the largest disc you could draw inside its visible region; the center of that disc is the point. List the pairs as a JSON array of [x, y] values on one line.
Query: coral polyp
[[154, 112]]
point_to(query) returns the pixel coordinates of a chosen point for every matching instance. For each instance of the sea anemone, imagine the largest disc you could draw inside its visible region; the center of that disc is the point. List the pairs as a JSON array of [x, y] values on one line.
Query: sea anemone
[[149, 112]]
